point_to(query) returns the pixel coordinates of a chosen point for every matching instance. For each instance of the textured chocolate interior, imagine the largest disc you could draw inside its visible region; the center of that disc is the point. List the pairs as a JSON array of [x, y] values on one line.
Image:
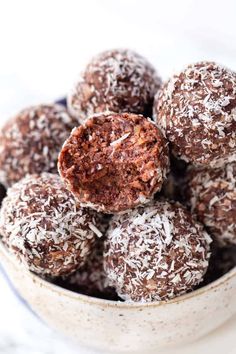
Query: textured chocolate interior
[[116, 161]]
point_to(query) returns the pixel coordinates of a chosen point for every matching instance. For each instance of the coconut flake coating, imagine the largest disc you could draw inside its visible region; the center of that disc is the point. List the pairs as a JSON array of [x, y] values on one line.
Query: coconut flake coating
[[30, 141], [44, 227], [116, 80], [91, 278], [114, 162], [212, 196], [155, 253], [196, 111]]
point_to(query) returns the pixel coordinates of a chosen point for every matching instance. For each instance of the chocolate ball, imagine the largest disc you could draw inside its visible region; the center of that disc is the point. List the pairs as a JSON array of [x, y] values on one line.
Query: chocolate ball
[[91, 279], [30, 142], [44, 228], [156, 252], [116, 80], [212, 196], [114, 162], [196, 111]]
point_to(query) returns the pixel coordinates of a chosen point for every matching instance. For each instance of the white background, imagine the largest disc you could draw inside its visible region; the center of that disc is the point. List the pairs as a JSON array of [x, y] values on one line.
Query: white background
[[44, 45]]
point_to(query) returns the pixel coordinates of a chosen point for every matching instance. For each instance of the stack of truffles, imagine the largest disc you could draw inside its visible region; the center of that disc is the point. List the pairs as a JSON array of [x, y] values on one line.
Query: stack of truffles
[[107, 202]]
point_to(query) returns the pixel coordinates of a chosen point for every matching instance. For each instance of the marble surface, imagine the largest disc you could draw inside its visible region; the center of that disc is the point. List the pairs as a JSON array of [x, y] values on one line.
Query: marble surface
[[43, 46]]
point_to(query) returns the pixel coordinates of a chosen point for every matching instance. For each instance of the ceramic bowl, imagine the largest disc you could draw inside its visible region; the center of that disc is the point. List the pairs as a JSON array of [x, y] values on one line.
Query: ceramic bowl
[[124, 327]]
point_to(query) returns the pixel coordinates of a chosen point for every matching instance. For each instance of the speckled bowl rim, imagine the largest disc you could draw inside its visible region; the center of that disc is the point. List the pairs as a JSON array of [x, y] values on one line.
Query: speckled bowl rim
[[116, 304]]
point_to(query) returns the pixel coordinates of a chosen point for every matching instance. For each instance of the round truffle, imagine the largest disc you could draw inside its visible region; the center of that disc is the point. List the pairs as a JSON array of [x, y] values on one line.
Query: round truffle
[[155, 253], [117, 81], [91, 279], [43, 226], [30, 142], [196, 111], [114, 162], [212, 195]]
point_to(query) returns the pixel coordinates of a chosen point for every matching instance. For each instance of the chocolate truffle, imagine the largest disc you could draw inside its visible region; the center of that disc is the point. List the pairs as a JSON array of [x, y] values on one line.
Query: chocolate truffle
[[155, 253], [30, 142], [212, 196], [114, 162], [44, 227], [91, 279], [117, 81], [196, 111]]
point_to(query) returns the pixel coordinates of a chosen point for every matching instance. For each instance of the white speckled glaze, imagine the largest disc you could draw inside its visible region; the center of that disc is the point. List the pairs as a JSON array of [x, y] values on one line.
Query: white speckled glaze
[[115, 326]]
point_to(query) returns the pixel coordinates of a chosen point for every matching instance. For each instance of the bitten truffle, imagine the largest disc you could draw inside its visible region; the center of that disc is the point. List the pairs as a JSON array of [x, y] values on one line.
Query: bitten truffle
[[155, 253], [117, 81], [114, 162], [30, 142], [196, 110], [212, 195], [44, 227], [91, 279]]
